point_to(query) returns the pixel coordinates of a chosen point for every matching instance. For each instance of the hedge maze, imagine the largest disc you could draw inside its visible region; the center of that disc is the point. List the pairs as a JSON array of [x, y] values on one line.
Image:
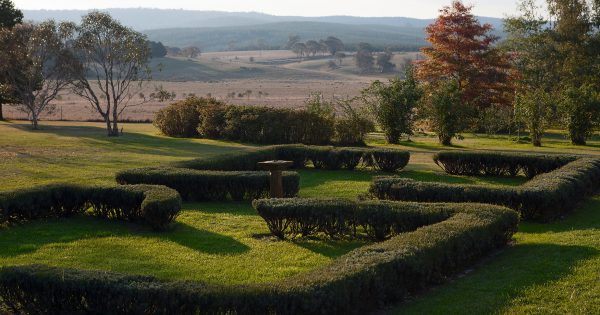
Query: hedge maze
[[360, 281], [557, 186], [421, 234]]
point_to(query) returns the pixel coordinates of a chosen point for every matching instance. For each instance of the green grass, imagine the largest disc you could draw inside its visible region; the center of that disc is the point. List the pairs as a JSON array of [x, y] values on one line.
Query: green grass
[[218, 243], [550, 268]]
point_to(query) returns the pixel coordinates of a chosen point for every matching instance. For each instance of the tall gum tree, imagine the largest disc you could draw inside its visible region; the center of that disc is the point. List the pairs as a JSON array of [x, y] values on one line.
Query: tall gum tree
[[37, 64], [9, 17], [113, 66]]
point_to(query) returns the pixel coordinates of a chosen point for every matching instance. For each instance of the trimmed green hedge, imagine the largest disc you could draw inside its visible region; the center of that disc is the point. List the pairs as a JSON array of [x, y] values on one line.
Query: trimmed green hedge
[[363, 280], [210, 185], [236, 175], [337, 218], [322, 157], [389, 160], [237, 161], [266, 125], [154, 205], [476, 163], [547, 196]]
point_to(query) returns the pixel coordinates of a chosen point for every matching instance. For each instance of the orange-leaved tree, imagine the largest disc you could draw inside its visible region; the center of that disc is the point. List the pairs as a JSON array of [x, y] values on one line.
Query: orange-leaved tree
[[462, 50]]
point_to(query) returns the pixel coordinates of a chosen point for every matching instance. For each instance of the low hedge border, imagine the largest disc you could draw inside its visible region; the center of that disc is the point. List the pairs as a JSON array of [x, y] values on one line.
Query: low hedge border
[[322, 157], [211, 185], [475, 163], [360, 281], [546, 197], [337, 218], [157, 206], [235, 176]]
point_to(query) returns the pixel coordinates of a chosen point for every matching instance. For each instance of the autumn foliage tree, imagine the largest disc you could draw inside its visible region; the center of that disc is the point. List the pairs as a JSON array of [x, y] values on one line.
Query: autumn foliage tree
[[462, 50]]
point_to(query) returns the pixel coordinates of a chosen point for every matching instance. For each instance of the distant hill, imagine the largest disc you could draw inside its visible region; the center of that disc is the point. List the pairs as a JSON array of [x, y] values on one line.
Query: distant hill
[[216, 31], [276, 35]]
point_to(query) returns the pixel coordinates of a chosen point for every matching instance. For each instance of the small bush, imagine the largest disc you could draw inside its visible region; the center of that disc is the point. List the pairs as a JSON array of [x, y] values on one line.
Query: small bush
[[156, 205], [351, 157], [295, 153], [389, 160], [181, 119], [323, 157], [264, 125], [212, 119], [397, 188], [352, 130]]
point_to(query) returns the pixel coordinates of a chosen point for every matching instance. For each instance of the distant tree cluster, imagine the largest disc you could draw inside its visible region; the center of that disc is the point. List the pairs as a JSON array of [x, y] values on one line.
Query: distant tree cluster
[[364, 58], [157, 49], [187, 52], [330, 45], [368, 61]]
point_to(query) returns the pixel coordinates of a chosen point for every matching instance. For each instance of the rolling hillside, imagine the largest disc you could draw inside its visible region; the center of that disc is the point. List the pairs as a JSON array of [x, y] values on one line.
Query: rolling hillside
[[220, 31], [147, 19], [276, 35]]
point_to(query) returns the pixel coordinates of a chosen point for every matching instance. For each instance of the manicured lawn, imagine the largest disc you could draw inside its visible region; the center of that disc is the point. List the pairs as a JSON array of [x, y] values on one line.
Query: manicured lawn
[[550, 268]]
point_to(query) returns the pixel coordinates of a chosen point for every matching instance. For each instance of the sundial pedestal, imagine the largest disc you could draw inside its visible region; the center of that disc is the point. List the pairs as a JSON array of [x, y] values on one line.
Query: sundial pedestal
[[276, 168]]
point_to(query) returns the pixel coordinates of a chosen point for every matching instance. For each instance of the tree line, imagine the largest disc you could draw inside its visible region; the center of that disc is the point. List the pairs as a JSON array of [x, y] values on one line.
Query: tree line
[[366, 58], [546, 73]]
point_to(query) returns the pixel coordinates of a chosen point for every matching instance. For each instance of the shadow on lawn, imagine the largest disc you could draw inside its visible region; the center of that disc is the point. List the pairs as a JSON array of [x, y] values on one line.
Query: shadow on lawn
[[329, 248], [132, 142], [500, 279], [230, 207], [310, 178], [29, 237], [585, 217]]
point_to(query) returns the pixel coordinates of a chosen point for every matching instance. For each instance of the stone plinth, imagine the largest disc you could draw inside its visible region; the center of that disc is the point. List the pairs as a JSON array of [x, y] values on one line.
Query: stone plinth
[[276, 167]]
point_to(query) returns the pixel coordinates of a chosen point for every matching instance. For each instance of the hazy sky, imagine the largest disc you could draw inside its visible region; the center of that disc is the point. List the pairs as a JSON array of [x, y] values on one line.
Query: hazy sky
[[407, 8]]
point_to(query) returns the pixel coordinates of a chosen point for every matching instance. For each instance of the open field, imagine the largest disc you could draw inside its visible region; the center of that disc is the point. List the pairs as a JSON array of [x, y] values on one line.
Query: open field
[[550, 268], [272, 83]]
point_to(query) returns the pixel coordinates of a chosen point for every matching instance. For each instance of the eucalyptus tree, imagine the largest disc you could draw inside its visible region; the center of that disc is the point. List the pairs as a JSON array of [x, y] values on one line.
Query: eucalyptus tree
[[112, 66], [334, 45], [557, 54], [37, 64], [9, 17]]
